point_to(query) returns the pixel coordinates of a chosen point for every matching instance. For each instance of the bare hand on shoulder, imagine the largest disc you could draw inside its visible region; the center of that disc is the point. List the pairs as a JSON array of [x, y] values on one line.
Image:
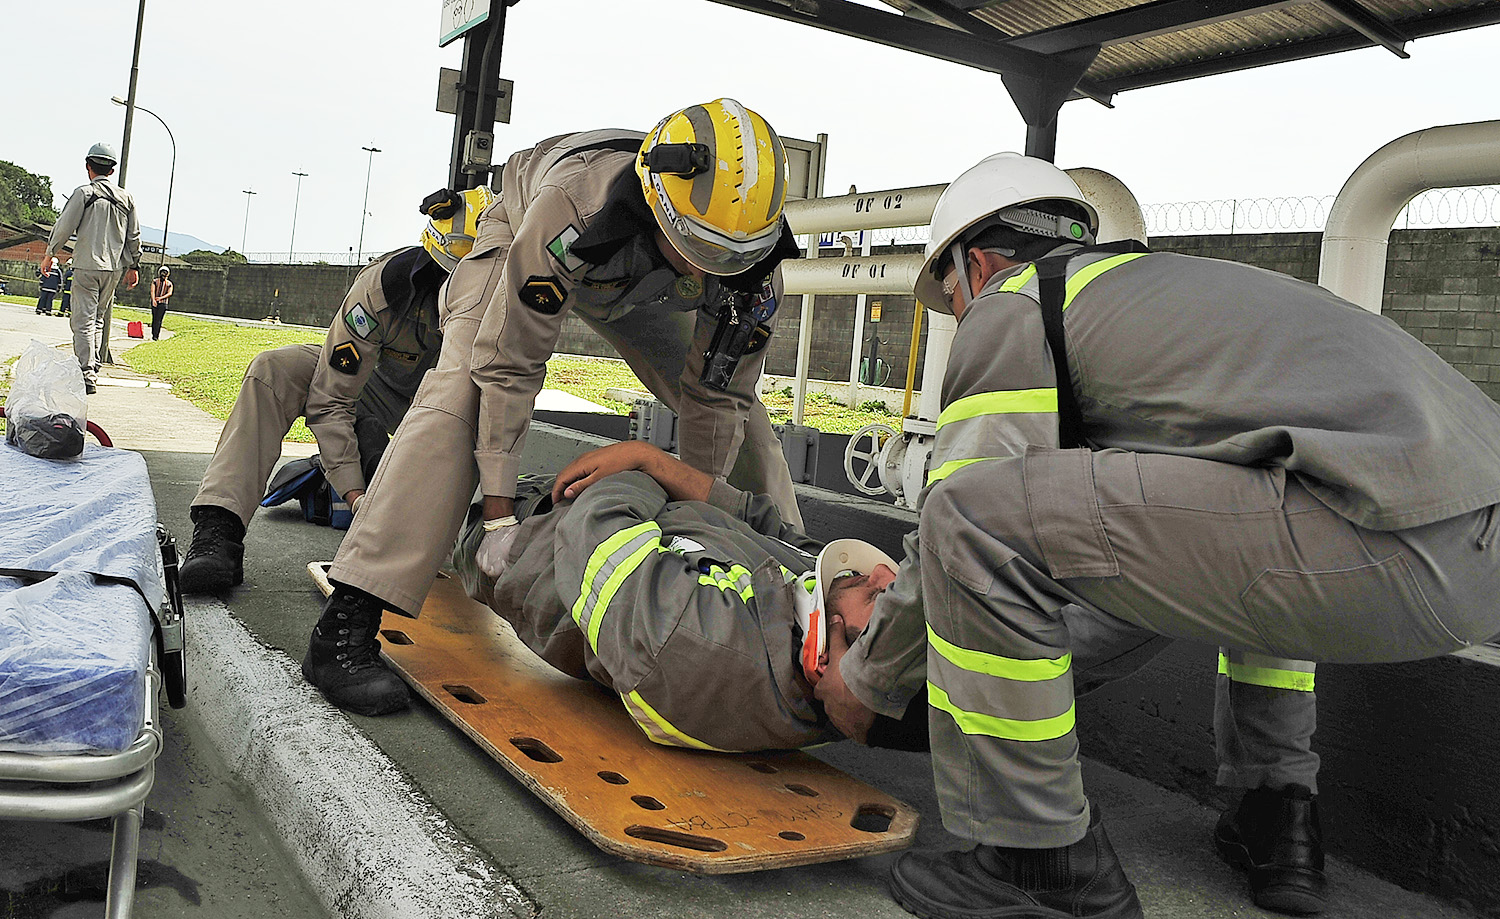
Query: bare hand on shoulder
[[605, 461]]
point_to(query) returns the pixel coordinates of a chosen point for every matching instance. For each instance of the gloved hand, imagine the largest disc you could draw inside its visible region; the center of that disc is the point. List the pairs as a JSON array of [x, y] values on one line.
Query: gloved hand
[[493, 553]]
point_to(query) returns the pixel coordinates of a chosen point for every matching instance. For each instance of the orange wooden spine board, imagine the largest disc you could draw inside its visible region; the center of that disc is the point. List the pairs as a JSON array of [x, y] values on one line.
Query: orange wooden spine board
[[572, 743]]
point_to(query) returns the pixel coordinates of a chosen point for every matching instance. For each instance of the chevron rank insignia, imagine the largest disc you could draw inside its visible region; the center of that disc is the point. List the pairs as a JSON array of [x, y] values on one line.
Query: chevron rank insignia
[[543, 293], [360, 321], [345, 358]]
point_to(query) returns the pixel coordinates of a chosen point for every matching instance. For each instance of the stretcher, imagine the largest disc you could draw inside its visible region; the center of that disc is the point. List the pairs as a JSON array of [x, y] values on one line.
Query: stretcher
[[572, 744], [91, 630]]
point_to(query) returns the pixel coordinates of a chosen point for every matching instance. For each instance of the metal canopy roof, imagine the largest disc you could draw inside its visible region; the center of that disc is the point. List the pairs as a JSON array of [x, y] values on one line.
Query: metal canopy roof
[[1049, 51]]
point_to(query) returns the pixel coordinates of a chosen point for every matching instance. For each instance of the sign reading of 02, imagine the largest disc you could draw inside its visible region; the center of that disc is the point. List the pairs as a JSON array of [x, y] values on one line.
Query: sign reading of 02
[[866, 205], [459, 16], [865, 270]]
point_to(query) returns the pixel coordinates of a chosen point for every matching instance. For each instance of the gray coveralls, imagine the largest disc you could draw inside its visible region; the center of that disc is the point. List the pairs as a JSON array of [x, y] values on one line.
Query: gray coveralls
[[104, 217], [568, 232], [1277, 472], [685, 609], [384, 338]]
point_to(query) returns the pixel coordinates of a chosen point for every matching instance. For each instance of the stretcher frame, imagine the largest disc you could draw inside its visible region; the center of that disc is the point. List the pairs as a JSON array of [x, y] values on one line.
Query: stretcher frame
[[66, 788]]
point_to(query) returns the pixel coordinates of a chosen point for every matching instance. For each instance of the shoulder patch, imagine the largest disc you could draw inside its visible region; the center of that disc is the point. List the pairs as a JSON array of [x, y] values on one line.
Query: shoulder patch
[[543, 293], [361, 321], [345, 358], [561, 248]]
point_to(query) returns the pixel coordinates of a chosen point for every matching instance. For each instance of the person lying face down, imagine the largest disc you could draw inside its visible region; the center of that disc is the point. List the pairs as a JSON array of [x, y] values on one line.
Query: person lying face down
[[711, 618]]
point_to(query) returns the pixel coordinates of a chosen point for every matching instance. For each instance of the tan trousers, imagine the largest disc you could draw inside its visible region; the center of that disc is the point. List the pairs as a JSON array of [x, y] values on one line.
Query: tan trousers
[[273, 395], [410, 517], [93, 293]]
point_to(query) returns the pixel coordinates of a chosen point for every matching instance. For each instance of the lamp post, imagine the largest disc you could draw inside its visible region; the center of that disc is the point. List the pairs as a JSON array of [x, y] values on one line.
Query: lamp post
[[245, 235], [171, 176], [291, 246], [364, 209]]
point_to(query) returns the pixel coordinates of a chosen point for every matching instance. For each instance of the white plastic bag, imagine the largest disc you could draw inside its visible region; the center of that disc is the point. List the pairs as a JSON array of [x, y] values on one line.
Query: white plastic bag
[[46, 411]]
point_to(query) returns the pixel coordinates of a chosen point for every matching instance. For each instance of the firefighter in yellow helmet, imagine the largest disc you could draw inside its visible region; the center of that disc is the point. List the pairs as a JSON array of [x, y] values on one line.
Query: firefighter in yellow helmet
[[353, 390], [666, 244]]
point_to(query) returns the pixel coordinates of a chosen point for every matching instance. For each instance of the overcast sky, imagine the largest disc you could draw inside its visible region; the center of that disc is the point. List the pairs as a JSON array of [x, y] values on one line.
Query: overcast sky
[[255, 91]]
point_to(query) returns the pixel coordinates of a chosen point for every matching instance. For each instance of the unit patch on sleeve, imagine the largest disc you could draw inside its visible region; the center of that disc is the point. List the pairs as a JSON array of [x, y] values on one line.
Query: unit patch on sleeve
[[561, 248], [543, 293], [345, 358], [361, 321]]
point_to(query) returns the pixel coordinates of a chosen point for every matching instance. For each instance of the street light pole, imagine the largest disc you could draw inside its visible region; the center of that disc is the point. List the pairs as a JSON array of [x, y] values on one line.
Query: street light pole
[[292, 245], [364, 209], [171, 176], [245, 236], [130, 106]]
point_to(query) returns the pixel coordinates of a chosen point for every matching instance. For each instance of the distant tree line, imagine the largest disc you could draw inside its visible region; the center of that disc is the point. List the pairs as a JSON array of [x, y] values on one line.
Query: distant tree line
[[25, 197]]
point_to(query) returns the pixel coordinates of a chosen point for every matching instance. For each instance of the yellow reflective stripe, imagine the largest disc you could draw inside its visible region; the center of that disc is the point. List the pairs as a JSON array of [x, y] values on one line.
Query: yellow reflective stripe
[[666, 726], [952, 466], [1011, 285], [602, 555], [1081, 279], [735, 580], [1271, 678], [1005, 402], [1009, 668], [1003, 728]]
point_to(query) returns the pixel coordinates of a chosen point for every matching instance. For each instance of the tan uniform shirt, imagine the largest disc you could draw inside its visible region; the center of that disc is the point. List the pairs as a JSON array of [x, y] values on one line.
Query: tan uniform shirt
[[104, 217], [573, 232], [384, 338]]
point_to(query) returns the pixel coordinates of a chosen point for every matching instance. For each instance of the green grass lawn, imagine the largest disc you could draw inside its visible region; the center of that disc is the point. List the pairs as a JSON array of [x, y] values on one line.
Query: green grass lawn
[[205, 362]]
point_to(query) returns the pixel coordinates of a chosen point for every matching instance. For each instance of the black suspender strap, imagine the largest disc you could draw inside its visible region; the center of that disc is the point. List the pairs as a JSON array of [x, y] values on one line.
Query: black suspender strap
[[1052, 281], [1051, 274]]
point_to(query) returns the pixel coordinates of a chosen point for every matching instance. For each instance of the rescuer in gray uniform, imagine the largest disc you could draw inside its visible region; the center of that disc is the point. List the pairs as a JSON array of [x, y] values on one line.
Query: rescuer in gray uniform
[[688, 597], [383, 339], [1165, 445], [104, 217], [666, 246]]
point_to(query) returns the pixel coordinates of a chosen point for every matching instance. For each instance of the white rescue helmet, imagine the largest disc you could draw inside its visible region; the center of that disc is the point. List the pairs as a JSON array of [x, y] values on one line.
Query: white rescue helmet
[[839, 558], [999, 186], [103, 155]]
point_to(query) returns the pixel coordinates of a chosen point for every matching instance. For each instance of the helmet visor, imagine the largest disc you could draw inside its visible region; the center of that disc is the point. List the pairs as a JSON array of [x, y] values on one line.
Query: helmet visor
[[708, 247]]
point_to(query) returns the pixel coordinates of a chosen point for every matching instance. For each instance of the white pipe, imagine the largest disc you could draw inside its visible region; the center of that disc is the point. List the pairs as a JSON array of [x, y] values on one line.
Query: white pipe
[[879, 274], [1358, 233], [876, 210]]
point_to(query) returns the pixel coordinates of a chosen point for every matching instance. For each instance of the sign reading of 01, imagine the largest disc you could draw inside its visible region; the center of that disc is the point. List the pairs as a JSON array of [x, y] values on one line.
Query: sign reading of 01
[[891, 202], [865, 270], [459, 16]]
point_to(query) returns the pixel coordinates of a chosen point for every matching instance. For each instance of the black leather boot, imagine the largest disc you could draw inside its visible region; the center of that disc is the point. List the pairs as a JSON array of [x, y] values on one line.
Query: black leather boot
[[1073, 882], [343, 658], [1275, 836], [215, 561]]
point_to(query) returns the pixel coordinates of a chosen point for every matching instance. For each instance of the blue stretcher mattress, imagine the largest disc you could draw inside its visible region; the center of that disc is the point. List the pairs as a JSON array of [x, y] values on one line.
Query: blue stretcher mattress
[[74, 648]]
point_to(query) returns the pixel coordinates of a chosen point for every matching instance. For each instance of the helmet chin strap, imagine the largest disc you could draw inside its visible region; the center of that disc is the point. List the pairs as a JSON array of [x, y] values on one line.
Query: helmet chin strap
[[957, 251]]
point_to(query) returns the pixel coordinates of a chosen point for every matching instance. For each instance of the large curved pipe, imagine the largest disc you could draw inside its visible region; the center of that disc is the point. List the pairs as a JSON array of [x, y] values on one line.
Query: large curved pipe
[[1359, 226]]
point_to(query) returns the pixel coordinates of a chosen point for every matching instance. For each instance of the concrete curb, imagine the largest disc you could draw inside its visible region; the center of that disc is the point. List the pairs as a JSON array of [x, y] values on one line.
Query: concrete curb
[[367, 840]]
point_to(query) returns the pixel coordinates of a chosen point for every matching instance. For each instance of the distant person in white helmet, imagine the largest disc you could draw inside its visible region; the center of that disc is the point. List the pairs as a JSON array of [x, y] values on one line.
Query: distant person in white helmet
[[161, 297], [1138, 444], [667, 245], [353, 391], [104, 218]]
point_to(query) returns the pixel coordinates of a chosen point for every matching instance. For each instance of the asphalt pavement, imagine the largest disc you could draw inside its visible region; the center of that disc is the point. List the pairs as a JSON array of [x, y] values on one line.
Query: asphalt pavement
[[269, 799]]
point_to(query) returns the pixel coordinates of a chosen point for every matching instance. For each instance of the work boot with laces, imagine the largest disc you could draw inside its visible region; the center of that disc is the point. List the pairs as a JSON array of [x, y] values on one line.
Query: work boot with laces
[[343, 658], [215, 561], [1274, 834], [1081, 881]]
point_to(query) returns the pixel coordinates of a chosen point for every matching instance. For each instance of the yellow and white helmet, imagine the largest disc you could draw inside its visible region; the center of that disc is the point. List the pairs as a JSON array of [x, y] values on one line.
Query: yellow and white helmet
[[715, 177], [453, 223]]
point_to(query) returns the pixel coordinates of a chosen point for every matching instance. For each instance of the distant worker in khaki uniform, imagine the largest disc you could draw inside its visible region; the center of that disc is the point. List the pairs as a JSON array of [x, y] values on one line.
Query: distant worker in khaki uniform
[[1155, 444], [384, 338], [665, 244], [104, 217]]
